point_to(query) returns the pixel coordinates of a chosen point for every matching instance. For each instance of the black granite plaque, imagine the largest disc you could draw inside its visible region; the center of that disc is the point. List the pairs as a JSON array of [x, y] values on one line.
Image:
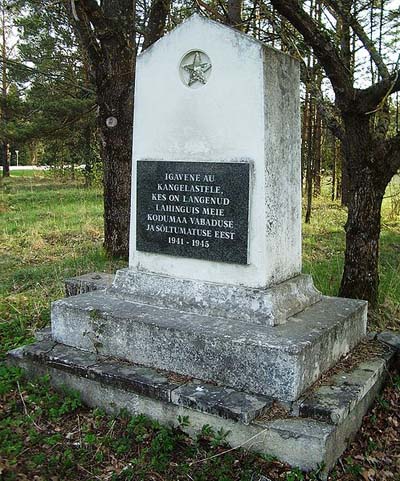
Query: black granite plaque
[[193, 209]]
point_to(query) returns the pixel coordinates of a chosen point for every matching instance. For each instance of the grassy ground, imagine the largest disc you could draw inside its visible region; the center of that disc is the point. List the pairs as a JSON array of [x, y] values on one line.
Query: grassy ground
[[51, 229], [323, 248]]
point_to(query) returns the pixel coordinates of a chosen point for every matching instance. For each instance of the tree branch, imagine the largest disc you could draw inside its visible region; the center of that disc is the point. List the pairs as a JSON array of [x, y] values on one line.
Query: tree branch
[[337, 7], [321, 43], [373, 97], [331, 121], [157, 18], [95, 15], [211, 10], [235, 13], [83, 30]]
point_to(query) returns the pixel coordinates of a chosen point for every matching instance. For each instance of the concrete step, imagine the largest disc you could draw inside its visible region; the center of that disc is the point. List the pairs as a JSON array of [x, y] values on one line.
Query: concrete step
[[340, 392], [278, 362], [253, 422]]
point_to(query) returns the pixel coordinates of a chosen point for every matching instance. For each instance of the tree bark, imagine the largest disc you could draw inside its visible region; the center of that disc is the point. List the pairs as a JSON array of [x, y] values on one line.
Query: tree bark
[[235, 13], [4, 116], [5, 159], [309, 166], [114, 74], [115, 100], [360, 277], [317, 141], [157, 19]]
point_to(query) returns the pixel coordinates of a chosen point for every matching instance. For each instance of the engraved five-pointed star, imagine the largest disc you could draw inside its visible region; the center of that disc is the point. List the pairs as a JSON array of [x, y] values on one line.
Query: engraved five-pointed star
[[197, 69]]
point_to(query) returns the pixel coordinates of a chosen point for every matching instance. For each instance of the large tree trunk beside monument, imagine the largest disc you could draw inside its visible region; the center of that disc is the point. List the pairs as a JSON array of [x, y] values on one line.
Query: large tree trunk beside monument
[[107, 36], [115, 100], [360, 277]]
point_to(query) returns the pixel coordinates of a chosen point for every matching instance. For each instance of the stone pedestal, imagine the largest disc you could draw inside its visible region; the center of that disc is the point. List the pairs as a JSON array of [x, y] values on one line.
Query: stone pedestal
[[280, 362]]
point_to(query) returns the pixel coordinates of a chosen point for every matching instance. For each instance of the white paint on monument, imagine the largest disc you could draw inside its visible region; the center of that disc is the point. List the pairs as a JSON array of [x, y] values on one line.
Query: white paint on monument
[[207, 93]]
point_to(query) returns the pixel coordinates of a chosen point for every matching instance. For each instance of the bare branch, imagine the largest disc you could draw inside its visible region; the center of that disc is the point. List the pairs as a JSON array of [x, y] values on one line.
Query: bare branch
[[211, 10], [323, 46], [337, 6]]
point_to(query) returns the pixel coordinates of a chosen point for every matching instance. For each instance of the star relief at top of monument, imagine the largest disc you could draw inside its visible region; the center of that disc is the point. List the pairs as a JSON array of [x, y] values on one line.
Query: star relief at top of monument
[[195, 69]]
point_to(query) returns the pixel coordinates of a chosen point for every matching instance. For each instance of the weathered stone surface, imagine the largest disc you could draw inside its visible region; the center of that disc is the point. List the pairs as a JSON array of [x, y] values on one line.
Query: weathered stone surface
[[139, 379], [220, 400], [303, 442], [195, 394], [93, 281], [262, 306], [43, 334], [391, 338], [39, 349], [279, 362], [338, 396], [71, 359], [304, 446]]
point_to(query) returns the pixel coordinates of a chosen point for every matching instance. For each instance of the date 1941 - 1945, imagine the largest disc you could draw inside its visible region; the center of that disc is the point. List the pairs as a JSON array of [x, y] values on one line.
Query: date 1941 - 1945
[[193, 242]]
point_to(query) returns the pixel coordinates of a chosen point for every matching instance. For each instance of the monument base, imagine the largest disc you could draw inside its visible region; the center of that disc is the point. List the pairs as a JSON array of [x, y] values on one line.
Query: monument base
[[276, 361], [268, 307], [310, 433]]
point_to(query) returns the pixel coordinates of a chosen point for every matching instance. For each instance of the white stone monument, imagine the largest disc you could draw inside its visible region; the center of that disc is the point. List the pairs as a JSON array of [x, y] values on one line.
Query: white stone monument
[[216, 294], [246, 108], [243, 107]]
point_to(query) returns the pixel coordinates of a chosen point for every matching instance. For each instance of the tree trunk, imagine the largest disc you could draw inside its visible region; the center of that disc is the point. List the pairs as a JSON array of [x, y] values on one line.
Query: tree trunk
[[115, 100], [157, 19], [235, 13], [339, 169], [309, 166], [4, 116], [361, 277], [333, 189], [5, 159], [304, 135], [107, 31], [317, 140], [345, 181]]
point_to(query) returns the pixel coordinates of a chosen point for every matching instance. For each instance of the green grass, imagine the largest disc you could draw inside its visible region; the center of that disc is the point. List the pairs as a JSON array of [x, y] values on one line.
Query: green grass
[[50, 230], [25, 173], [323, 253]]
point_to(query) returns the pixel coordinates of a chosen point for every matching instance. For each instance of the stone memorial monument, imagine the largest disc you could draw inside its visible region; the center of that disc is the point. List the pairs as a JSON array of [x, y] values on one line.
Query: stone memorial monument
[[214, 292]]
